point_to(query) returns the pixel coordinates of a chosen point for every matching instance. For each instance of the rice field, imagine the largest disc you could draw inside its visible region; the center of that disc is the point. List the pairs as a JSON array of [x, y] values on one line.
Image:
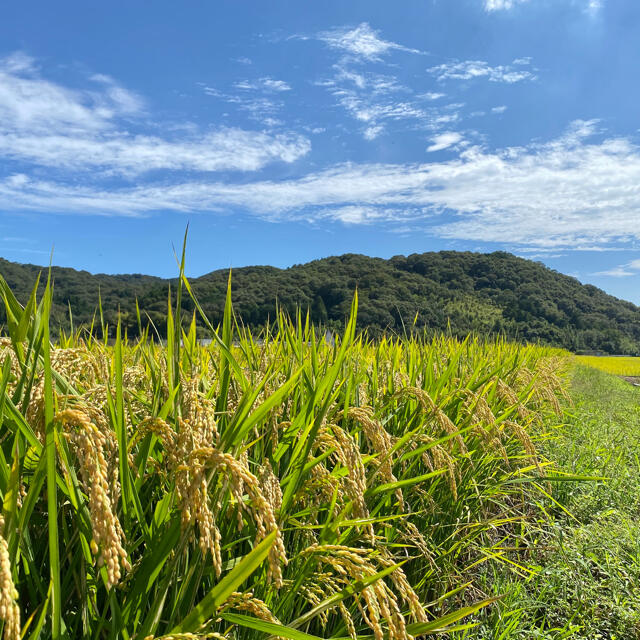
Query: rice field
[[618, 365], [283, 487]]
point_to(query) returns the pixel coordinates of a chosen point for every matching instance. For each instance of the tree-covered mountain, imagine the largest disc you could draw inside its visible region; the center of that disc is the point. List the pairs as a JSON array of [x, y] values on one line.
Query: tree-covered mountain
[[461, 292]]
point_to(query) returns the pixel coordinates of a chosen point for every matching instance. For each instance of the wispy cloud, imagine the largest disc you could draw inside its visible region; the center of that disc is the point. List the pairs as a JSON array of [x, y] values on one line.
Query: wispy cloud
[[591, 6], [616, 272], [372, 98], [46, 124], [631, 268], [594, 6], [498, 5], [260, 108], [29, 102], [444, 141], [579, 190], [259, 98], [222, 149], [573, 191], [472, 69], [362, 42], [263, 84]]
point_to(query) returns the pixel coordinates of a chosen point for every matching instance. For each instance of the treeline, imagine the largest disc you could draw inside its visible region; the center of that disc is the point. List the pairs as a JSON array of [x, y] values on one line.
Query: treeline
[[459, 292]]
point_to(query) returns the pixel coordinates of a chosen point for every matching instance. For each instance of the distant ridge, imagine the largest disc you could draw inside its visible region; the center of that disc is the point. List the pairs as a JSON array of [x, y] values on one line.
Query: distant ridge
[[462, 292]]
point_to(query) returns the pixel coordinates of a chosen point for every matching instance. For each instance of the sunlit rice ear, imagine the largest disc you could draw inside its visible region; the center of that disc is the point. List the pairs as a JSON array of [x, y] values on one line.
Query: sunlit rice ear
[[9, 609]]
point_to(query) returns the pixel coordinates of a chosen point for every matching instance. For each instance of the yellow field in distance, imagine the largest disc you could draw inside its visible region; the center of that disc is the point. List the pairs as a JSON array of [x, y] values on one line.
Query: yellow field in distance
[[622, 366]]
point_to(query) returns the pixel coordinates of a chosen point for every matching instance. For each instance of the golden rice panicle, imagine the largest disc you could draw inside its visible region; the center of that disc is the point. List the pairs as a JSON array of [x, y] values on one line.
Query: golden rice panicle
[[510, 397], [410, 534], [248, 602], [239, 479], [437, 457], [320, 486], [270, 485], [192, 489], [353, 563], [348, 621], [158, 427], [323, 586], [429, 407], [524, 377], [88, 444], [190, 636], [521, 434], [355, 482], [420, 395], [199, 413], [7, 351], [445, 423], [406, 591], [9, 609], [506, 393], [35, 410], [74, 366], [547, 387], [380, 442], [314, 594], [477, 407]]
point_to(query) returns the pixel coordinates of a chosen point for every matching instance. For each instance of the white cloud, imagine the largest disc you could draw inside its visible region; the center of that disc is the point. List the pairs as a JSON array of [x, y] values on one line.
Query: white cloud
[[30, 103], [591, 6], [362, 42], [570, 192], [444, 141], [471, 69], [371, 133], [616, 272], [594, 6], [631, 268], [375, 99], [263, 84], [354, 214], [500, 109], [498, 5], [218, 150], [47, 124], [256, 104], [275, 85]]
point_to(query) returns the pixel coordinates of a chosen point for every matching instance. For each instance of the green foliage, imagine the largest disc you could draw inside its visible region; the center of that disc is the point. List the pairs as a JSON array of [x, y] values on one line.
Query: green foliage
[[290, 486], [585, 583], [459, 292]]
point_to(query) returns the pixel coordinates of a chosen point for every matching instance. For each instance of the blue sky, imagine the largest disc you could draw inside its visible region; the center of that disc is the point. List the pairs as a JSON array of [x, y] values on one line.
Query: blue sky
[[287, 131]]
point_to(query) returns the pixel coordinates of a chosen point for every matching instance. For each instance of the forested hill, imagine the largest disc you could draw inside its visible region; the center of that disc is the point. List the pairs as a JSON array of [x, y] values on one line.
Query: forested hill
[[468, 292]]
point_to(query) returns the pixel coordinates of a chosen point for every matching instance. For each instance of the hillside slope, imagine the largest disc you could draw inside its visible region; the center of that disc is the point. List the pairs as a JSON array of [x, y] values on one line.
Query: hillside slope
[[466, 292]]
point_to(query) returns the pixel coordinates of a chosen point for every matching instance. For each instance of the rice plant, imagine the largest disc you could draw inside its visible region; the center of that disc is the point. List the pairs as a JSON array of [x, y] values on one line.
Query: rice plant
[[618, 365], [275, 485]]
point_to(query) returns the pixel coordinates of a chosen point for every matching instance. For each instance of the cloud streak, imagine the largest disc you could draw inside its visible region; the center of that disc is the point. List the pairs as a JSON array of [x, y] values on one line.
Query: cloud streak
[[132, 155], [591, 6], [474, 69], [48, 125], [444, 141], [569, 192], [631, 268], [501, 5], [363, 42], [376, 99]]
